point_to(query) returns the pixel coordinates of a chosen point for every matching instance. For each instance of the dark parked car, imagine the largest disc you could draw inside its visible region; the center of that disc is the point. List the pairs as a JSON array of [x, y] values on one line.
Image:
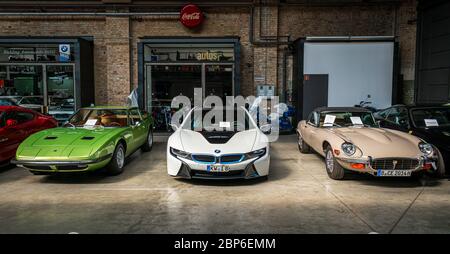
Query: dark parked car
[[429, 122]]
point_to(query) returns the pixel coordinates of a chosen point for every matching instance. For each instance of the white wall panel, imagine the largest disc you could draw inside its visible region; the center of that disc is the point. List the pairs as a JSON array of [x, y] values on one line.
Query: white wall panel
[[355, 70]]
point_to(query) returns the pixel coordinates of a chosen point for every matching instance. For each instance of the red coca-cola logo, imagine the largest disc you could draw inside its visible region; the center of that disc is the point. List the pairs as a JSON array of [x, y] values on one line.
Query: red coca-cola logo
[[191, 16]]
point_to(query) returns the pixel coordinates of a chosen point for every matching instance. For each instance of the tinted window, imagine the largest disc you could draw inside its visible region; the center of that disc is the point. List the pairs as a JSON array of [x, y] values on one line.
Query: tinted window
[[383, 114], [23, 117], [31, 100], [399, 116], [6, 102], [441, 115]]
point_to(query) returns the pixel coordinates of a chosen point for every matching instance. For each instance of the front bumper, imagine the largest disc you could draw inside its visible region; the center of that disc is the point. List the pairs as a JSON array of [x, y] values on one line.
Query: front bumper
[[184, 168], [53, 166], [350, 164]]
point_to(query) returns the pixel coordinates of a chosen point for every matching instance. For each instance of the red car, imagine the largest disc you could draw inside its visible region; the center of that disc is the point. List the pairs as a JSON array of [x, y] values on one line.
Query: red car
[[16, 124]]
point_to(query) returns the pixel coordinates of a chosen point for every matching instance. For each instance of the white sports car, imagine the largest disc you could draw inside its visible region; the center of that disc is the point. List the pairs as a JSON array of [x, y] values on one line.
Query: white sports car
[[202, 147]]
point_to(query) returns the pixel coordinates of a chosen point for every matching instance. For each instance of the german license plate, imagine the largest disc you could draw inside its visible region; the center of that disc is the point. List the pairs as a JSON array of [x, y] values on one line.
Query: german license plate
[[217, 168], [400, 173]]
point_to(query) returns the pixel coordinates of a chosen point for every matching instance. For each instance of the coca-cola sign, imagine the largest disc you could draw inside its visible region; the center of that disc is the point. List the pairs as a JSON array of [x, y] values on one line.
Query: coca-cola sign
[[191, 16]]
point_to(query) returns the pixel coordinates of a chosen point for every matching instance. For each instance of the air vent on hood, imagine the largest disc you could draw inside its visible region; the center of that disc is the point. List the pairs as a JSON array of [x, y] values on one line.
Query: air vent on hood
[[50, 137], [216, 137], [87, 138]]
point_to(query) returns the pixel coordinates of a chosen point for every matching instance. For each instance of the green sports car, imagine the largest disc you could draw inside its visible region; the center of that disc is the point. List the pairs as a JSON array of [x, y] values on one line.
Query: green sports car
[[93, 138]]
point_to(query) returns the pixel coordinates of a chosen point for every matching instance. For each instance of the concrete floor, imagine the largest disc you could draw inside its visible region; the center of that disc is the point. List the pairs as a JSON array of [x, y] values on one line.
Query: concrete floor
[[298, 197]]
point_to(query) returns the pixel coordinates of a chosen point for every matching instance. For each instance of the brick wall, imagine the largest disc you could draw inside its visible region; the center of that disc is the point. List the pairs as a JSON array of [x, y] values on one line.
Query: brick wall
[[116, 38]]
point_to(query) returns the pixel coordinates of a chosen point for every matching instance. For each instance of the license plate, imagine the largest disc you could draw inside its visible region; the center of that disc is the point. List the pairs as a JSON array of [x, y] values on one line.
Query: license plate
[[217, 168], [401, 173]]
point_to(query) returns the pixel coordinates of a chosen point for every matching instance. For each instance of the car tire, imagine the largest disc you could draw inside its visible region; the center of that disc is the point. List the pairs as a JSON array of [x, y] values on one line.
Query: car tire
[[148, 145], [302, 146], [117, 163], [440, 171], [334, 170]]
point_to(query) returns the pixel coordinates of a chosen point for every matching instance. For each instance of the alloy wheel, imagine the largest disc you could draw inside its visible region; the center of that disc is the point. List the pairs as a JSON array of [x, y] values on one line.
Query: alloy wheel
[[329, 161], [120, 157]]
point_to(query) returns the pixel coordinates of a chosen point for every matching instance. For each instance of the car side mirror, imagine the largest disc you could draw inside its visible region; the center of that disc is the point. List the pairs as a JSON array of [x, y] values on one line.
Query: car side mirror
[[174, 126], [266, 128], [11, 122]]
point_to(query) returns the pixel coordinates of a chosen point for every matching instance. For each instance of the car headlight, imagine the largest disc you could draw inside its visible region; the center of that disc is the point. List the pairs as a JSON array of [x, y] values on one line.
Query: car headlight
[[179, 153], [255, 154], [425, 148], [348, 148]]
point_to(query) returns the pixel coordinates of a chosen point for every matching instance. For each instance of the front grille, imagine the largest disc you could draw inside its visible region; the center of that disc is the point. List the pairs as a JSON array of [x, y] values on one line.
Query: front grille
[[234, 158], [204, 158], [234, 173], [392, 163]]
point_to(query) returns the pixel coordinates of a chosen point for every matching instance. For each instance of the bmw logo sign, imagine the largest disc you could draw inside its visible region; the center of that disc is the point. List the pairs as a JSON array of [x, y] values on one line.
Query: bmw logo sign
[[64, 48], [217, 151]]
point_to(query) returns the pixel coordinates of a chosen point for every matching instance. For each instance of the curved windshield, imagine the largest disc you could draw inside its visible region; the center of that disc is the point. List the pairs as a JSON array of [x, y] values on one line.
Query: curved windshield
[[7, 102], [346, 119], [31, 100], [431, 117], [219, 120], [99, 118]]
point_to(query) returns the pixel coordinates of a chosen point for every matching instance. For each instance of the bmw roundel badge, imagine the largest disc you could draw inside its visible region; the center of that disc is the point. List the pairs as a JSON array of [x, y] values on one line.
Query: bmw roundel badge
[[217, 151]]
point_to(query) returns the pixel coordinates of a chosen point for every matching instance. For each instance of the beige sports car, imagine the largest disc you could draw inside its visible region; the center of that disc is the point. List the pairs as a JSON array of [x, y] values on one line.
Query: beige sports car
[[350, 139]]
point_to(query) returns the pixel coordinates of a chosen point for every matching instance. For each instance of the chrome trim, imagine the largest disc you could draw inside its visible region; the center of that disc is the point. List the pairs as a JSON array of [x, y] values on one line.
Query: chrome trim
[[59, 163]]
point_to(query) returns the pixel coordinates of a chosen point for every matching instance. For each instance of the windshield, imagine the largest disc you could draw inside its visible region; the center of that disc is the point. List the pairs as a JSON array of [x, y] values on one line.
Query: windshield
[[99, 117], [31, 100], [431, 117], [346, 119], [7, 102], [219, 120]]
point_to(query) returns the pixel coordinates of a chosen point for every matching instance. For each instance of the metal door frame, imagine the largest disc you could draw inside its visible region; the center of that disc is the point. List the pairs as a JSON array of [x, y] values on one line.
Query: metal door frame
[[44, 79], [203, 76]]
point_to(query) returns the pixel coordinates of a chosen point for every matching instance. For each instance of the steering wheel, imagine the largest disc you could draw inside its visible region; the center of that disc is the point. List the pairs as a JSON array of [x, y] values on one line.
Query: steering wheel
[[113, 124]]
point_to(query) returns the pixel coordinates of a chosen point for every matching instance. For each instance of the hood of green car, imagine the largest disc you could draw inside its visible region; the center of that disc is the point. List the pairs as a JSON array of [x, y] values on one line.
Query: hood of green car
[[66, 142]]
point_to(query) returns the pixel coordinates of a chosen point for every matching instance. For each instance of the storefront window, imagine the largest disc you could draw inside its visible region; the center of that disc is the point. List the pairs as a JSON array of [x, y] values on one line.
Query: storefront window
[[219, 80], [167, 82], [176, 69], [23, 84], [60, 91]]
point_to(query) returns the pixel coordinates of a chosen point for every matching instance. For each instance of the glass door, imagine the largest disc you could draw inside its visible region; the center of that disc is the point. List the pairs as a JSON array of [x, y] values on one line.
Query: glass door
[[23, 84], [166, 81], [219, 80], [60, 91]]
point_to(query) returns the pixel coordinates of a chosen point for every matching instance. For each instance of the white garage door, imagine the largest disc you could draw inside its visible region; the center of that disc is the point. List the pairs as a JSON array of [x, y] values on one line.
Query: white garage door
[[355, 70]]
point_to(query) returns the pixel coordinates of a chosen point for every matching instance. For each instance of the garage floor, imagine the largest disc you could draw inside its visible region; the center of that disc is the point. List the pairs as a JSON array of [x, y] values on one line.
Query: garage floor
[[298, 198]]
